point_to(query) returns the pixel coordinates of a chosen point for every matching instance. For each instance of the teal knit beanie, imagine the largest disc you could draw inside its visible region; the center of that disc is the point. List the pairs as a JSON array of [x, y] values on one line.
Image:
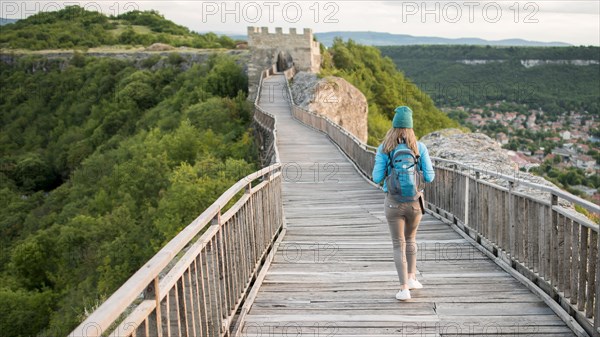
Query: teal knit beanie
[[403, 118]]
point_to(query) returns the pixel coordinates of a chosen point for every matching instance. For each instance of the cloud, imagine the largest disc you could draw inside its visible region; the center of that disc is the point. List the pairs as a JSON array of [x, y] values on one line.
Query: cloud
[[550, 6], [576, 22]]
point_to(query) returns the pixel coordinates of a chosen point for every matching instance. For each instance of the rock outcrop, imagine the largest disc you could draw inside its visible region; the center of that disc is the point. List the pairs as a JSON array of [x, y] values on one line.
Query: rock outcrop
[[478, 151], [334, 98], [159, 47], [189, 57]]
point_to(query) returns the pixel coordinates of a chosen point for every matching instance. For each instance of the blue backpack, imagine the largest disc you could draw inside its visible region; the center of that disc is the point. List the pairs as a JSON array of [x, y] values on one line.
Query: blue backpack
[[404, 181]]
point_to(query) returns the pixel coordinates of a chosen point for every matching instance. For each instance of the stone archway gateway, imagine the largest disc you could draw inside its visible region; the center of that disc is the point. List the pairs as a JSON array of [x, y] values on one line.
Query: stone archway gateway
[[284, 61]]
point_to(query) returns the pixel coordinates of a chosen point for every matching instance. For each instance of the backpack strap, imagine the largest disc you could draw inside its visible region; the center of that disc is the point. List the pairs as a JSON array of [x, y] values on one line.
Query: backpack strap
[[389, 164]]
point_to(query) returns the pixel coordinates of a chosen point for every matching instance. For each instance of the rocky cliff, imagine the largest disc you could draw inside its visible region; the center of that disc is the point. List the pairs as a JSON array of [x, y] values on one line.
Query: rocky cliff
[[186, 56], [478, 151], [334, 98]]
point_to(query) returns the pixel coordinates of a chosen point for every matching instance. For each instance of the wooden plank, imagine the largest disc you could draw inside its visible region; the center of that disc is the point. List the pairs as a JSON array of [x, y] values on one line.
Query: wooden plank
[[534, 231], [543, 241], [524, 231], [548, 230], [208, 290], [560, 252], [591, 282], [575, 252], [512, 230], [583, 268], [567, 257], [596, 313], [554, 242], [183, 309]]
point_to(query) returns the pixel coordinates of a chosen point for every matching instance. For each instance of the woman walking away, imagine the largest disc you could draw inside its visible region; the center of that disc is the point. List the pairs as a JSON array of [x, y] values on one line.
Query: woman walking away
[[403, 162]]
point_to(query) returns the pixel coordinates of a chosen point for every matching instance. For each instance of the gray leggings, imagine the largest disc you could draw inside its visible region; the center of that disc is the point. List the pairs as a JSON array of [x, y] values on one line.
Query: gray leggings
[[403, 220]]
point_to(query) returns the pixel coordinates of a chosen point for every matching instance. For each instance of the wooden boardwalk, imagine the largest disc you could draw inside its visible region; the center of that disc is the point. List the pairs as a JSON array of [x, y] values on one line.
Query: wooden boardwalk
[[333, 272]]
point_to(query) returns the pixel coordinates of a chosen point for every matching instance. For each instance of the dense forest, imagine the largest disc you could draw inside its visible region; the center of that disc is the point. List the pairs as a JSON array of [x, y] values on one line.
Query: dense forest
[[384, 86], [554, 88], [101, 164], [74, 27]]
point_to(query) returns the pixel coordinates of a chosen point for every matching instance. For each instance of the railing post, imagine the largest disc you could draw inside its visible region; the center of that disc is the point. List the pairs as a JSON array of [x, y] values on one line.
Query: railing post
[[511, 222], [152, 292], [477, 205], [216, 220], [251, 220], [451, 204], [591, 308], [467, 199], [553, 241], [597, 288], [222, 264]]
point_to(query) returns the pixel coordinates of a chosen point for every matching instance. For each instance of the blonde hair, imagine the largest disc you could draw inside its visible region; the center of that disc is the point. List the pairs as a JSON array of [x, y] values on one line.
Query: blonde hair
[[395, 136]]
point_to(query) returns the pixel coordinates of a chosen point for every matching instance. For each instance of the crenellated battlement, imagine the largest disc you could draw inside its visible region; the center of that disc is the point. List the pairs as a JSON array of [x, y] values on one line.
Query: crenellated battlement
[[262, 38], [278, 31]]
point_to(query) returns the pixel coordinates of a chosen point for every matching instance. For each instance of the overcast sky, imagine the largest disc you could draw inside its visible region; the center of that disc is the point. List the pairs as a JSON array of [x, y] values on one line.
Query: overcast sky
[[575, 22]]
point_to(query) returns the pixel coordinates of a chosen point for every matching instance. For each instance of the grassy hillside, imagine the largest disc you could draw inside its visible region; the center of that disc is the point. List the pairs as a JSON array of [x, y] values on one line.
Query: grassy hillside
[[385, 88], [101, 163], [552, 87], [74, 27]]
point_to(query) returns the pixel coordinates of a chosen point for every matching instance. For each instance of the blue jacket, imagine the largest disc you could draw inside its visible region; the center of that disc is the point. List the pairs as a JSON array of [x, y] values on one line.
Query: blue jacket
[[382, 160]]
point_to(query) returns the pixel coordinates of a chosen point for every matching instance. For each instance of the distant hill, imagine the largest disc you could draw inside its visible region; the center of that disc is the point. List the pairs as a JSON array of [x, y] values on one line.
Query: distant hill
[[238, 37], [4, 21], [554, 79], [74, 27], [387, 39]]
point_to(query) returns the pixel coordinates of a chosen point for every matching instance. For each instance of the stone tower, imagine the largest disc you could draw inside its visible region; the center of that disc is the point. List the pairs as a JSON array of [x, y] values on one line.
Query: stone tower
[[285, 50]]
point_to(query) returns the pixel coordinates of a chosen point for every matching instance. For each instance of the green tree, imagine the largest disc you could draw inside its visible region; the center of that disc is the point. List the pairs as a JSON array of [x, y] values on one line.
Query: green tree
[[385, 88]]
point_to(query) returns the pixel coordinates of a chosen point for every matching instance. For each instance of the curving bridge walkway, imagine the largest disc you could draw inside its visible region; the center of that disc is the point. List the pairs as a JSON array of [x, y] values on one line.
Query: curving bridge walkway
[[333, 273]]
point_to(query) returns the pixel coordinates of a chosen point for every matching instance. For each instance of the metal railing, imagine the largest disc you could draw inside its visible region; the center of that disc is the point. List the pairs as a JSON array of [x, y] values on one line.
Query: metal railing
[[206, 278], [552, 245]]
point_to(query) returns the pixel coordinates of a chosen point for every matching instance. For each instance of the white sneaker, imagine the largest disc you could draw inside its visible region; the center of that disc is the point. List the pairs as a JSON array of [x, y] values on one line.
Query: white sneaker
[[403, 295], [414, 284]]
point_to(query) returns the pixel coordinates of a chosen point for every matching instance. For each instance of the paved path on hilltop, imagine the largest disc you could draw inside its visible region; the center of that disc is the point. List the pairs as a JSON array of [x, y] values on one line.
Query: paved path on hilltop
[[333, 273]]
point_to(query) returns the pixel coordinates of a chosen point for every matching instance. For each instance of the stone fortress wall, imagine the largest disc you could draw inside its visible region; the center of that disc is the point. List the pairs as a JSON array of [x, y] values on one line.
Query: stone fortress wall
[[283, 49]]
